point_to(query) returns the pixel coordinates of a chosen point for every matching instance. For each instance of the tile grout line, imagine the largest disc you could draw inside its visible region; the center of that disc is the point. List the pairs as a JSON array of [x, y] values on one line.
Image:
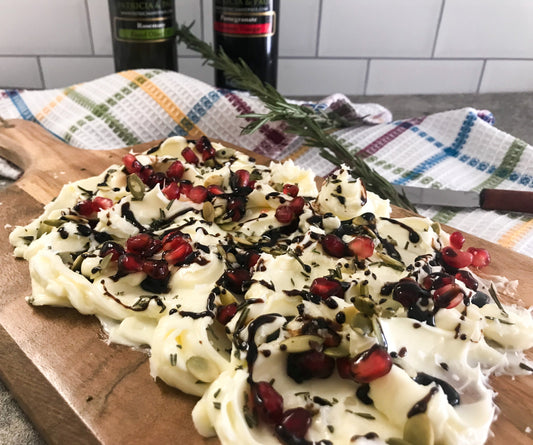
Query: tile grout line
[[202, 22], [437, 30], [41, 74], [91, 40], [318, 26], [367, 75], [481, 75]]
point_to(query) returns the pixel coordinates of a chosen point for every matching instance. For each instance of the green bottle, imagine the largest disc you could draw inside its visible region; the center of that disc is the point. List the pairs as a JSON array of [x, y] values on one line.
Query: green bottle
[[144, 34]]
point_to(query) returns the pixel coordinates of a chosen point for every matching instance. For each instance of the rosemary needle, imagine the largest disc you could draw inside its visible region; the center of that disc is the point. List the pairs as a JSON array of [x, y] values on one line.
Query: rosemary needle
[[315, 127]]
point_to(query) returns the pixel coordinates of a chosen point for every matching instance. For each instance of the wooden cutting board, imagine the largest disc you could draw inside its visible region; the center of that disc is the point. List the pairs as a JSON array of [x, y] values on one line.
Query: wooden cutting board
[[76, 388]]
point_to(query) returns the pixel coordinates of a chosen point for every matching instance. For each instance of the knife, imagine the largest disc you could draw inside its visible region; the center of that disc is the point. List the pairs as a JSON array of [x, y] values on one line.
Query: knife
[[487, 199]]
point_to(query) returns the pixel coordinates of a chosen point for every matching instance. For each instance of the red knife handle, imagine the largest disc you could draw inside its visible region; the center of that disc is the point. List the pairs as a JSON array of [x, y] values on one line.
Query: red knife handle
[[509, 200]]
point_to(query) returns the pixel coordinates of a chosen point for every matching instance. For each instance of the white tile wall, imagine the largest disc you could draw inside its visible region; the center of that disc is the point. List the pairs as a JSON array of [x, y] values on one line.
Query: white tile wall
[[486, 28], [299, 26], [100, 27], [51, 27], [20, 72], [321, 76], [507, 75], [60, 72], [348, 46], [423, 76], [378, 28]]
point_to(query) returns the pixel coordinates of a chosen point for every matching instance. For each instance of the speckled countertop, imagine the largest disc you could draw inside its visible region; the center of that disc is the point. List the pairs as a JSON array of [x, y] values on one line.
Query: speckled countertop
[[513, 113]]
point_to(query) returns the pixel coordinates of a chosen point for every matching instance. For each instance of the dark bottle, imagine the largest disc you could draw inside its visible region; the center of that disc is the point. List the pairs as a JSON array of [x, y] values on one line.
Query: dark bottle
[[248, 29], [144, 34]]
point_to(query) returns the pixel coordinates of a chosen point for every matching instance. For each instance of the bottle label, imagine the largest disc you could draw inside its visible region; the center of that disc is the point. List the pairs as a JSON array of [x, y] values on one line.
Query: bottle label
[[245, 24], [144, 21]]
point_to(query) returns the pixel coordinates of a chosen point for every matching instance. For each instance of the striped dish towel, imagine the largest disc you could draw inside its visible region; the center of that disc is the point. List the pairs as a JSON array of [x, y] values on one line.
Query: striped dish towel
[[455, 149]]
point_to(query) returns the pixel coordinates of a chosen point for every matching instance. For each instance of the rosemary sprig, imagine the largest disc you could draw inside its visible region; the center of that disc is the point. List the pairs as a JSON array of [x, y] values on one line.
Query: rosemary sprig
[[313, 126]]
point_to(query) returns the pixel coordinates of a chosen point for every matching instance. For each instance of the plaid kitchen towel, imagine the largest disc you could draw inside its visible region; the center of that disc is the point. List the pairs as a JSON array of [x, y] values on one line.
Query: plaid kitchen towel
[[456, 149]]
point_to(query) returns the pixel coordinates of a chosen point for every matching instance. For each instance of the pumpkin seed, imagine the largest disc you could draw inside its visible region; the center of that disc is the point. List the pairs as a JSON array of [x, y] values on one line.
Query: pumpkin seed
[[364, 305], [202, 369], [105, 261], [436, 227], [208, 211], [337, 351], [225, 153], [226, 297], [418, 430], [361, 323], [300, 343], [76, 265], [136, 187], [391, 262], [43, 228], [75, 218], [54, 222]]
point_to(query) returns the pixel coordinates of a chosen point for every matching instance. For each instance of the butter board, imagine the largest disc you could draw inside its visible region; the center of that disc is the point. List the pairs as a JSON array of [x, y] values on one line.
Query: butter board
[[77, 389]]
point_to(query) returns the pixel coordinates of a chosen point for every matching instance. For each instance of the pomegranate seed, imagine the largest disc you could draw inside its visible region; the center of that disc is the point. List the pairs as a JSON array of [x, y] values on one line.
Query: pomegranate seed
[[173, 234], [457, 240], [467, 278], [284, 214], [408, 292], [362, 247], [326, 287], [173, 243], [448, 296], [179, 254], [253, 258], [204, 147], [297, 204], [84, 208], [157, 178], [436, 280], [236, 207], [172, 191], [143, 245], [131, 163], [100, 203], [333, 246], [291, 190], [129, 262], [110, 247], [240, 179], [185, 187], [344, 367], [456, 258], [371, 364], [294, 424], [145, 173], [235, 279], [215, 190], [157, 269], [198, 194], [481, 257], [309, 364], [176, 170], [189, 155], [267, 402], [226, 313]]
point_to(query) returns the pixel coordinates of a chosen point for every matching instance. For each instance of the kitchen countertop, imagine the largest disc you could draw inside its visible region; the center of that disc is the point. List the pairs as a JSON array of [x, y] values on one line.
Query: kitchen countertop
[[513, 113]]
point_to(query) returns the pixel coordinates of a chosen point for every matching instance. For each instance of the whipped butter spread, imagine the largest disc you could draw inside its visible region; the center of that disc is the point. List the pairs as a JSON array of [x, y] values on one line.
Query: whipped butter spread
[[297, 316]]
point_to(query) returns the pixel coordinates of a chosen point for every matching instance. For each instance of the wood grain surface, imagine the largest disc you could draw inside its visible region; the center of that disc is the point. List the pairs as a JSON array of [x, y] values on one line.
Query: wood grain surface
[[76, 388]]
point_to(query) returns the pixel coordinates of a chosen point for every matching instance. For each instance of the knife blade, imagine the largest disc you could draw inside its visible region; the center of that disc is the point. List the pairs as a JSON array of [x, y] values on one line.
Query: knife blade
[[487, 199]]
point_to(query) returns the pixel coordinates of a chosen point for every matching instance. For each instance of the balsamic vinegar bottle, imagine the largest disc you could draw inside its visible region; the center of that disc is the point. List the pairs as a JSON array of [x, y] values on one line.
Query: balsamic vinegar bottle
[[248, 29], [144, 34]]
